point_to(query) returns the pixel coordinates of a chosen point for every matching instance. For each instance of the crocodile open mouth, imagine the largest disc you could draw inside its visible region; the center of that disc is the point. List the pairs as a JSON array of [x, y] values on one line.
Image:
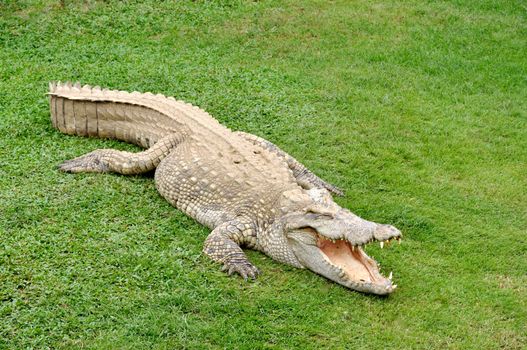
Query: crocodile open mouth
[[353, 263]]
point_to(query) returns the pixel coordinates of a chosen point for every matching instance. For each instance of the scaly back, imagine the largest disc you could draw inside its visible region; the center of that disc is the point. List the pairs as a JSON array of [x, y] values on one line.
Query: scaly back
[[144, 118]]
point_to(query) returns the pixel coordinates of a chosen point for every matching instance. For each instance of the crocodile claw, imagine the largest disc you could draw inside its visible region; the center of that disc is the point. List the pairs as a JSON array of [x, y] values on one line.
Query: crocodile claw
[[245, 269]]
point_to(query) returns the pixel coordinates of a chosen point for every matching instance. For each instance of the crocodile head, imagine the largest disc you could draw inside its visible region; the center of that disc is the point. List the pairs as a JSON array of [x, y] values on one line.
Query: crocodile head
[[330, 240]]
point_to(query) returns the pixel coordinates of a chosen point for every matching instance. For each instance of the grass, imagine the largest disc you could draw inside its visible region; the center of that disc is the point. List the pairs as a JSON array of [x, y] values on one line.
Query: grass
[[418, 109]]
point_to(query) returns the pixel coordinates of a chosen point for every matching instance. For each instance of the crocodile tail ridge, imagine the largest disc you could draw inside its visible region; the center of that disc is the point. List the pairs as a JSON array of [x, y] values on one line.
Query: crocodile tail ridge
[[138, 118]]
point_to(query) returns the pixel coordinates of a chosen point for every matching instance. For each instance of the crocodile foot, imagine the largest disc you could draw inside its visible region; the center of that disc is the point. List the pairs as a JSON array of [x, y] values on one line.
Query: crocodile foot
[[244, 269], [92, 162]]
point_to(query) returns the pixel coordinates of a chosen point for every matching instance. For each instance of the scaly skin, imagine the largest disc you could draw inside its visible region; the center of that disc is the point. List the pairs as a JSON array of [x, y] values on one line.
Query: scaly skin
[[244, 188]]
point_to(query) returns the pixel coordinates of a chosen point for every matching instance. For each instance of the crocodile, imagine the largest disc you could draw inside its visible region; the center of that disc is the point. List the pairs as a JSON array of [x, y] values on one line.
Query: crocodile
[[249, 192]]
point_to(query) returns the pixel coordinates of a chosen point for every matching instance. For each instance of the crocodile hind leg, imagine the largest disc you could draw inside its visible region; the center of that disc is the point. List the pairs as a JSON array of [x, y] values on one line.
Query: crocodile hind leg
[[221, 246], [304, 176], [127, 163]]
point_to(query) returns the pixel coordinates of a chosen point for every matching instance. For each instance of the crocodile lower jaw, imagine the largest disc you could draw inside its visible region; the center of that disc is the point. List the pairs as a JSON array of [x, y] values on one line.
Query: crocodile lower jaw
[[354, 265]]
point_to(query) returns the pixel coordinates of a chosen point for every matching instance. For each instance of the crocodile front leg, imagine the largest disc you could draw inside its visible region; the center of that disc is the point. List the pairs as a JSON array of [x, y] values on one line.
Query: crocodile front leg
[[221, 246], [304, 176], [127, 163]]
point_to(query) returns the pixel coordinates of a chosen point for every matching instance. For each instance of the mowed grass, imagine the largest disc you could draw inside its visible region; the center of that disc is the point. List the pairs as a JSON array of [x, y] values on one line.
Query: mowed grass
[[417, 109]]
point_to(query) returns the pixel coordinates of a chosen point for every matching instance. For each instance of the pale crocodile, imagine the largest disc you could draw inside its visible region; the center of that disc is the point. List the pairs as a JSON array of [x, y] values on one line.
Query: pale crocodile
[[244, 188]]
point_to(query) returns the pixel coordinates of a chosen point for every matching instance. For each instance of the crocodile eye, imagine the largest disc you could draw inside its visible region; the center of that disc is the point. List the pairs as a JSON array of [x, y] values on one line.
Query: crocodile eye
[[319, 216], [324, 217]]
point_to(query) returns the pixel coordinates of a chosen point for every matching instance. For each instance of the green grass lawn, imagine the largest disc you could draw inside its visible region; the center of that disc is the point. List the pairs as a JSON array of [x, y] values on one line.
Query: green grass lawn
[[418, 109]]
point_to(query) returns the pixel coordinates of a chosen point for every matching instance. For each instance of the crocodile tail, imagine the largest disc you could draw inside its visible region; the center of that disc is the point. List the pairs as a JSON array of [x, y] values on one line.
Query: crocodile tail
[[137, 118]]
